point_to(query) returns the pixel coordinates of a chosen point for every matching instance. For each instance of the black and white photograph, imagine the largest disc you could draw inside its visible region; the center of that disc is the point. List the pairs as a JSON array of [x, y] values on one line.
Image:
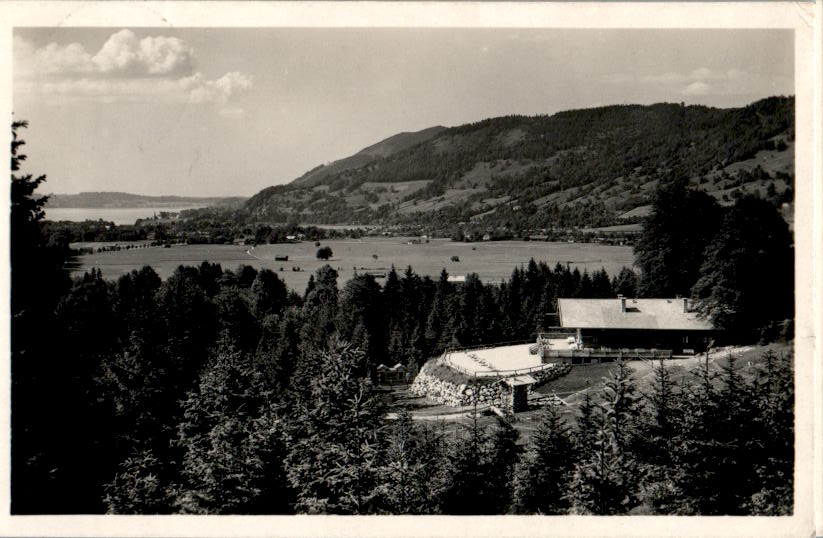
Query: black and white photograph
[[356, 267]]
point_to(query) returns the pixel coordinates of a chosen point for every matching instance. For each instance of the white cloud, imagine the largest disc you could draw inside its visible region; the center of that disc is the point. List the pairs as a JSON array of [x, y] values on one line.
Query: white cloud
[[697, 88], [218, 91], [123, 53], [54, 59], [151, 69]]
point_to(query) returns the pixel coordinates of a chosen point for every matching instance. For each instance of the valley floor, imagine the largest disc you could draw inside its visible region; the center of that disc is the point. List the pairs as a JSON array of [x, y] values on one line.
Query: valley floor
[[493, 261]]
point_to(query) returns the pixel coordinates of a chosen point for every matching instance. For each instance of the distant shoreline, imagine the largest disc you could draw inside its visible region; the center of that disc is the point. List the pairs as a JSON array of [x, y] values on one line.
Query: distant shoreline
[[118, 215], [123, 200]]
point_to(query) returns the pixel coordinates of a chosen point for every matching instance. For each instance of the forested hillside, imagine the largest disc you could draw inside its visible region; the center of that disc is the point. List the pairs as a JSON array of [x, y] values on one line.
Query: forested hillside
[[575, 168]]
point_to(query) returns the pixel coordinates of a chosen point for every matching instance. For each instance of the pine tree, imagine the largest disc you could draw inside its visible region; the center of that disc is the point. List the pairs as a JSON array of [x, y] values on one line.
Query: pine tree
[[362, 318], [660, 427], [503, 456], [232, 444], [320, 309], [43, 387], [606, 480], [333, 460], [599, 483], [409, 469], [436, 319], [625, 283], [670, 250], [588, 420], [278, 351], [268, 294], [543, 475], [464, 483], [138, 487], [753, 240], [733, 459], [773, 441], [694, 450]]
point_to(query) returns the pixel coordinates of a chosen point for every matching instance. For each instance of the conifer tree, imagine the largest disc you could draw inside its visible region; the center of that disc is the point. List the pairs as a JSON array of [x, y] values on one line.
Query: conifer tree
[[361, 318], [465, 485], [232, 442], [694, 450], [333, 460], [437, 315], [320, 309], [753, 240], [606, 480], [409, 470], [659, 430], [138, 487], [544, 473], [503, 456], [773, 440], [269, 294], [588, 420]]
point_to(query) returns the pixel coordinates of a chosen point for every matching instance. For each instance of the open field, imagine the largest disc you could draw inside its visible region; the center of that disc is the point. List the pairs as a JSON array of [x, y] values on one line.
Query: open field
[[493, 261]]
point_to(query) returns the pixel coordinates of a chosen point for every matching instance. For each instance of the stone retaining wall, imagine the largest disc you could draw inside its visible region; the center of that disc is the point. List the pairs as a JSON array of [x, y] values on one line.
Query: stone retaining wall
[[458, 395]]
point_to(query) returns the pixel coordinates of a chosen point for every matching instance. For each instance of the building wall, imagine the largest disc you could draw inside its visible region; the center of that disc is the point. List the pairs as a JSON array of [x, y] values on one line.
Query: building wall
[[677, 341]]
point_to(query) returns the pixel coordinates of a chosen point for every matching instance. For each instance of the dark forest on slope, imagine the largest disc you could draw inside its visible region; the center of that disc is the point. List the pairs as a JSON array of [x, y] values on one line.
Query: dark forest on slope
[[573, 168]]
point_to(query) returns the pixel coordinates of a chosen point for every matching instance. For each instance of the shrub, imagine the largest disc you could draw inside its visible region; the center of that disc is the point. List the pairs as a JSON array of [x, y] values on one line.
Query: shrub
[[324, 253]]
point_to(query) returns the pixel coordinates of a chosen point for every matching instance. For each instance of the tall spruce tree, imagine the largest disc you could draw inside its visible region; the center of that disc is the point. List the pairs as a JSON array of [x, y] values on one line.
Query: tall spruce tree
[[333, 460], [232, 442], [605, 481], [38, 372], [670, 249], [503, 456], [752, 241], [546, 469], [410, 468], [773, 436]]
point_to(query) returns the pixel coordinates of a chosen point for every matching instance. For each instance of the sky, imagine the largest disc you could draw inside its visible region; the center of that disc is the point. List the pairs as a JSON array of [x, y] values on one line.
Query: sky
[[228, 112]]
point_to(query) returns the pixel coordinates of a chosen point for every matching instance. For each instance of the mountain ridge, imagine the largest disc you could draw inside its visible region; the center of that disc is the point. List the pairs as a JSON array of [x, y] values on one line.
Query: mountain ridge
[[581, 167], [383, 148]]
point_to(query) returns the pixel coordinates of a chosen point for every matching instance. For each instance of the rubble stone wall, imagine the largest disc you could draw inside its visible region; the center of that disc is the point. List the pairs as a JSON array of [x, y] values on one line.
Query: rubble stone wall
[[463, 394]]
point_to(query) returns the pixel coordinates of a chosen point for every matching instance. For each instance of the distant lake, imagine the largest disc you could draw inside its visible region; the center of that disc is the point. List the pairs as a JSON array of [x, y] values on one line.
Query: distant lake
[[117, 215]]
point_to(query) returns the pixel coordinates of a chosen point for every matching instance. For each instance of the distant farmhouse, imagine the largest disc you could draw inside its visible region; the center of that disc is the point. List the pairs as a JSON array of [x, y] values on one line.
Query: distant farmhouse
[[666, 324]]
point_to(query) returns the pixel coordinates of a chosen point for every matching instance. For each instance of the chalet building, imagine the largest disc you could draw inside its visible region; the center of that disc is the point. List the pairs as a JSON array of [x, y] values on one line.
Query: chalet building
[[390, 375], [623, 323]]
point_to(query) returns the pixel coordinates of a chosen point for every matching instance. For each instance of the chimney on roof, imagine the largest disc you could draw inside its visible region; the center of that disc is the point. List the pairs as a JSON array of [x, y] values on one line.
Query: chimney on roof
[[622, 304], [685, 304]]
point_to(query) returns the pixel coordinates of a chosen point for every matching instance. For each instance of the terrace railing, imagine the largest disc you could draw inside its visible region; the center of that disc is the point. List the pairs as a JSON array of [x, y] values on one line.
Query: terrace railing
[[556, 332], [645, 354], [492, 372]]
